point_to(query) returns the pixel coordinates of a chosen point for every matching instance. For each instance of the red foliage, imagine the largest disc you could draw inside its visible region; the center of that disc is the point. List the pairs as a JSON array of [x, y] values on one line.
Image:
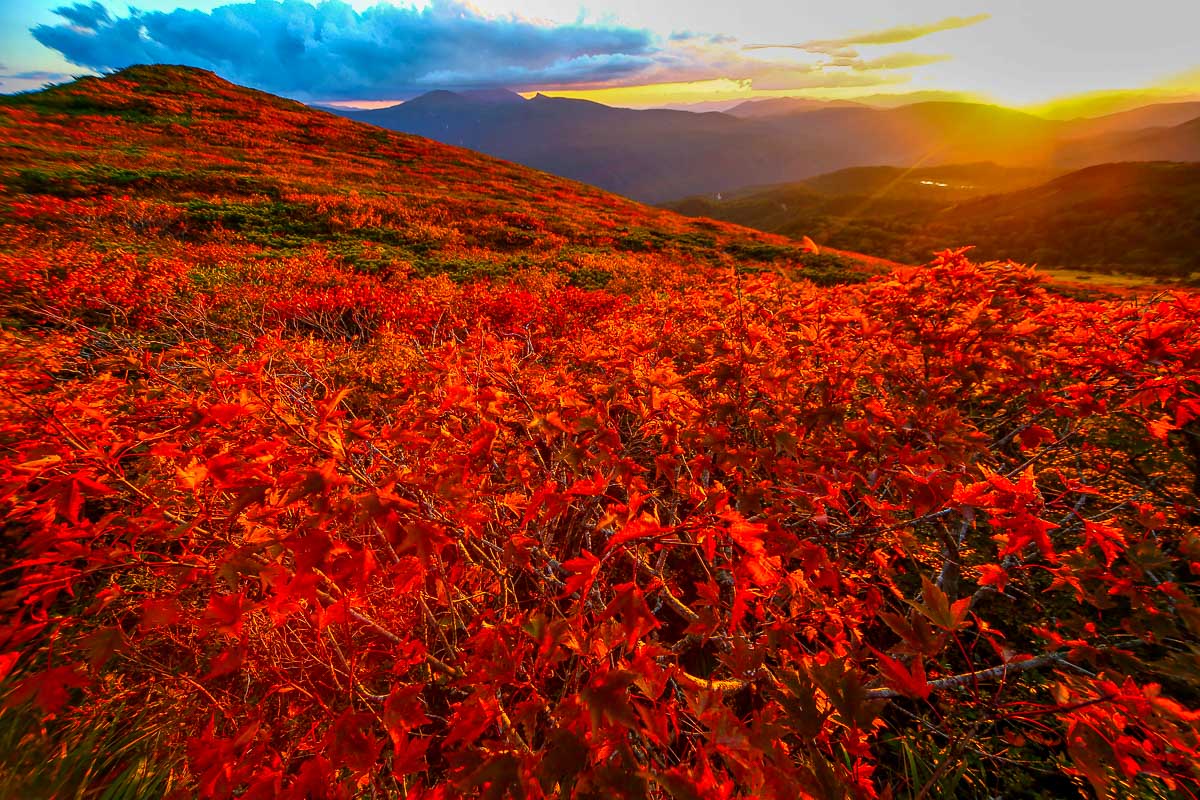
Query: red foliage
[[699, 534]]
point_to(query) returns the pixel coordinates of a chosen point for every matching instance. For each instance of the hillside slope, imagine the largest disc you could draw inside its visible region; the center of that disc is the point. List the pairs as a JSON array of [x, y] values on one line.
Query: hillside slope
[[336, 463], [1179, 142], [1156, 115], [250, 170], [1137, 217]]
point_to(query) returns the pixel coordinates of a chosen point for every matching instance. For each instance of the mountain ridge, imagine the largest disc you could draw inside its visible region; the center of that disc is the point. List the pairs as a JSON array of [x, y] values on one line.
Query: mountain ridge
[[659, 155]]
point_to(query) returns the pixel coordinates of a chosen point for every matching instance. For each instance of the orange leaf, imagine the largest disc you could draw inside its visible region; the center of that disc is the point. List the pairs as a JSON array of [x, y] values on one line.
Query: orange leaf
[[909, 681]]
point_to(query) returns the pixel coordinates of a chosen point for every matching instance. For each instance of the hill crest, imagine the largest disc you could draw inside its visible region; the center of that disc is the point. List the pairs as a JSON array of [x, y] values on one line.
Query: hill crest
[[228, 161]]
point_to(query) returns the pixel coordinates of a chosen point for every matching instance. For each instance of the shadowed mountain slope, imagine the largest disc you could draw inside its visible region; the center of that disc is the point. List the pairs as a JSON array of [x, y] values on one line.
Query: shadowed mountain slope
[[1139, 216]]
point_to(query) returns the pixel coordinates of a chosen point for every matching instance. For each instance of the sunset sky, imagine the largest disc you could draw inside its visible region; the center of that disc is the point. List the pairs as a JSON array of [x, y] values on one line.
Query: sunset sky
[[623, 52]]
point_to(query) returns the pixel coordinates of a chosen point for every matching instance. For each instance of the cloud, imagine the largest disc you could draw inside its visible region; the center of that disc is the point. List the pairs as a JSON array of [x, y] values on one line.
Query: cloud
[[35, 75], [893, 61], [691, 36], [832, 50], [331, 51], [84, 16], [25, 81], [785, 81], [694, 58], [844, 47]]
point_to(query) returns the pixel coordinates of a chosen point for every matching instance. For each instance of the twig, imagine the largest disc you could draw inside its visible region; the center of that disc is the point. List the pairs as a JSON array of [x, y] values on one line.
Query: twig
[[1002, 671]]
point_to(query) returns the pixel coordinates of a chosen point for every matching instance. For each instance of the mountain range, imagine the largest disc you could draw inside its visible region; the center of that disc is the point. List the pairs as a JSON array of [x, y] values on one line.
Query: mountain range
[[659, 155]]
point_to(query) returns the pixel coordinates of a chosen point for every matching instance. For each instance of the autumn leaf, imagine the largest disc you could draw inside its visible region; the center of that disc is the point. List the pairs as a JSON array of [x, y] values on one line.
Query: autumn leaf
[[607, 698], [641, 528], [629, 608], [909, 681], [225, 612], [351, 742], [192, 475], [1034, 436], [222, 413], [160, 613], [582, 573], [49, 689], [936, 606], [7, 662], [225, 663], [993, 575], [1109, 539], [102, 644]]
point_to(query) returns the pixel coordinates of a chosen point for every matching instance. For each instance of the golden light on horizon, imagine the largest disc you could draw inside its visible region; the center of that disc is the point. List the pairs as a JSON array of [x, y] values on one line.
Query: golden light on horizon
[[667, 94], [361, 104], [658, 94]]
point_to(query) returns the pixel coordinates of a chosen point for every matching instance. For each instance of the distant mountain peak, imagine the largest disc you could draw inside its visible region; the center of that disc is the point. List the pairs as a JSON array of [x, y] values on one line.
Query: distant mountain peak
[[467, 97], [780, 106], [494, 96]]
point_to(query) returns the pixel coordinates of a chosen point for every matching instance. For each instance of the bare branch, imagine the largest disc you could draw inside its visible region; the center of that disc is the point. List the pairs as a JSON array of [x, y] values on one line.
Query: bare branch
[[1001, 672]]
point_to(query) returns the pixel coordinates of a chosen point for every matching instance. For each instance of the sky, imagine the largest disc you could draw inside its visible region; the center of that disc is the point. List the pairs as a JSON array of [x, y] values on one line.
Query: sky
[[624, 52]]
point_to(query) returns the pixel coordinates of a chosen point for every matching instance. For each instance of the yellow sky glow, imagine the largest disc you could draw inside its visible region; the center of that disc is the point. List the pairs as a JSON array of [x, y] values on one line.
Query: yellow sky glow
[[1180, 88], [664, 94], [660, 93]]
